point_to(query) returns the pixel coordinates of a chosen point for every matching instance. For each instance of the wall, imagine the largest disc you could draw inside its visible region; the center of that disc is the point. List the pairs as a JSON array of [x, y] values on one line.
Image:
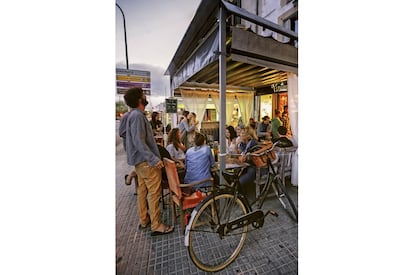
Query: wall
[[275, 11]]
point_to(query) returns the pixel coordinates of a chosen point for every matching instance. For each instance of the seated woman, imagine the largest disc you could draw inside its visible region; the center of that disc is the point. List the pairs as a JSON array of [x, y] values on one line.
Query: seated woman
[[198, 162], [156, 123], [249, 140], [231, 140], [175, 146]]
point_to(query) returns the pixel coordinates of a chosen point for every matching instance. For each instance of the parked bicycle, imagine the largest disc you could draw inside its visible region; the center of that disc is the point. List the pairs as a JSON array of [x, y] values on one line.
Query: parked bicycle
[[219, 225]]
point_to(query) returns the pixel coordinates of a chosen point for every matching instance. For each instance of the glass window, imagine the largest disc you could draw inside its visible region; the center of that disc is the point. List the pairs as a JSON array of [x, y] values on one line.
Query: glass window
[[266, 106], [210, 115]]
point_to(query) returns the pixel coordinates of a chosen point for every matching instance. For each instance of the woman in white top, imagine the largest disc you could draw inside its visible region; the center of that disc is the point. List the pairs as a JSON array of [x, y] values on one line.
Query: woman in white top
[[230, 140], [175, 147]]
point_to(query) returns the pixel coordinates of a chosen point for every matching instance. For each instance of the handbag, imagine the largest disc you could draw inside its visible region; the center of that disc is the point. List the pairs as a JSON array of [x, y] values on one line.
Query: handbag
[[261, 161]]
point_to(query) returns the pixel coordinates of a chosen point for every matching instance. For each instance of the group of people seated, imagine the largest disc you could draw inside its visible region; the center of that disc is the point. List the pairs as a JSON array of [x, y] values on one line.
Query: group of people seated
[[146, 156], [189, 148], [268, 129], [198, 160]]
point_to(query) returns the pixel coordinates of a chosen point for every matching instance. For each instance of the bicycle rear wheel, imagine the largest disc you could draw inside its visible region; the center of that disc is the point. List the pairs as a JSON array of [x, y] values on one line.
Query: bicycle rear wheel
[[208, 250]]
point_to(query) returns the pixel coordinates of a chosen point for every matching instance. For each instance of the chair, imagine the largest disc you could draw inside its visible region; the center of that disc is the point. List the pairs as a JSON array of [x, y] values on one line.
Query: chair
[[177, 197], [164, 181], [164, 186], [284, 164]]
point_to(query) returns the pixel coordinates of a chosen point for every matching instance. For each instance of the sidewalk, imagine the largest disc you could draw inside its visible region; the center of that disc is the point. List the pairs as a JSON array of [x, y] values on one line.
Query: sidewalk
[[273, 249]]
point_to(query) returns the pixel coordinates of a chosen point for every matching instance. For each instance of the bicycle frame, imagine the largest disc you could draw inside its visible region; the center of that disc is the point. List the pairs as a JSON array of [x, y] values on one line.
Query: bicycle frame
[[256, 217], [224, 217]]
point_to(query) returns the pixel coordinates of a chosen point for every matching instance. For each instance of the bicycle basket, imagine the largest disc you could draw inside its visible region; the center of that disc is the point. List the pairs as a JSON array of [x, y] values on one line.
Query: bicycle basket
[[261, 161]]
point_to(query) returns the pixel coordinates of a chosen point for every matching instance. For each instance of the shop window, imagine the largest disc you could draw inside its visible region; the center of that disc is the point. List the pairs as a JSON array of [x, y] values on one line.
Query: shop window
[[266, 106], [282, 101], [210, 115]]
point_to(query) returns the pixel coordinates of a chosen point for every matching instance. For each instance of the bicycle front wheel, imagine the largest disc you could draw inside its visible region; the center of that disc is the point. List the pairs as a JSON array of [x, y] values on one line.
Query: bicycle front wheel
[[209, 250]]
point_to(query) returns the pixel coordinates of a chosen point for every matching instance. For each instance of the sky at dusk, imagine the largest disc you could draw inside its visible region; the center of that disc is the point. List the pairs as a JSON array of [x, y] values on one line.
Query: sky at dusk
[[154, 30]]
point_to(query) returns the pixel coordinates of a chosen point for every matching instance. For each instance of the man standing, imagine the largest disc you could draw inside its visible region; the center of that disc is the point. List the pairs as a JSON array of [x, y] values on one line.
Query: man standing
[[122, 134], [276, 122], [142, 152]]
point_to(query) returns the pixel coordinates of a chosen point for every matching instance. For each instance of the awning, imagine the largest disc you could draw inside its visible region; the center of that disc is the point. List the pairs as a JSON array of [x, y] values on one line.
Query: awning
[[230, 58], [253, 62]]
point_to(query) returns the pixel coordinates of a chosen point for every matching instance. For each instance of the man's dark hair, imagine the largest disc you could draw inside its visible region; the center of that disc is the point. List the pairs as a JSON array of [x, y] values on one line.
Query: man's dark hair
[[199, 139], [282, 130], [277, 112], [185, 113], [132, 95], [154, 115]]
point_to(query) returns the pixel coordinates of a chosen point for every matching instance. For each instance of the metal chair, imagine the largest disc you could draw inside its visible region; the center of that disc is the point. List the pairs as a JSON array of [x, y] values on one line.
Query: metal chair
[[284, 163], [282, 166]]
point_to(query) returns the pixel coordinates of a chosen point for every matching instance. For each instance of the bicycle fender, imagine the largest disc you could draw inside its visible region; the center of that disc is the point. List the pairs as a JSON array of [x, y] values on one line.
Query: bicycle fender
[[193, 214], [187, 228]]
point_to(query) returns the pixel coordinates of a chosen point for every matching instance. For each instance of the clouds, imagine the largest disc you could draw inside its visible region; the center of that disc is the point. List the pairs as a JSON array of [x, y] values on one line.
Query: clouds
[[160, 87], [154, 29]]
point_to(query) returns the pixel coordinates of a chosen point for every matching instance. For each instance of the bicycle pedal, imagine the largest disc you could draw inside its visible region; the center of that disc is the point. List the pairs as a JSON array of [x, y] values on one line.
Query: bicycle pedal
[[273, 212]]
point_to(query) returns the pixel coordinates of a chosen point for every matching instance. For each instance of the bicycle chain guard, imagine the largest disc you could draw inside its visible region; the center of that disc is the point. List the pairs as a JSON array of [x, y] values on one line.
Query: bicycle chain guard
[[256, 218]]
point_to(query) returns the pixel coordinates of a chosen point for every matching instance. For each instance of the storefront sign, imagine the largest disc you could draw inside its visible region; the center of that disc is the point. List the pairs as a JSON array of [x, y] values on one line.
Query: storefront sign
[[279, 87]]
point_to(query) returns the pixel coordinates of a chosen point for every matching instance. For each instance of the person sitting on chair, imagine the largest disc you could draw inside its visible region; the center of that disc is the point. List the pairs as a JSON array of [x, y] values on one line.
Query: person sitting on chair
[[249, 141], [230, 140], [198, 162], [264, 130], [283, 140], [175, 147]]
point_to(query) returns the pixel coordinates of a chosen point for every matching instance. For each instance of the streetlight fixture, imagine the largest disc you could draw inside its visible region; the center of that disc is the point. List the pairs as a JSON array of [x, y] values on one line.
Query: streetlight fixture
[[125, 36]]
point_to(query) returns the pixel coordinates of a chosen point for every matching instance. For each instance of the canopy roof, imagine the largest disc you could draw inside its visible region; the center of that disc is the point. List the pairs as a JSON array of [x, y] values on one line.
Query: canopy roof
[[253, 62]]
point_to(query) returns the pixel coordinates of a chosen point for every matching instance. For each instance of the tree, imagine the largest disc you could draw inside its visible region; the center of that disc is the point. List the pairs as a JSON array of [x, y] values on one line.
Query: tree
[[120, 108]]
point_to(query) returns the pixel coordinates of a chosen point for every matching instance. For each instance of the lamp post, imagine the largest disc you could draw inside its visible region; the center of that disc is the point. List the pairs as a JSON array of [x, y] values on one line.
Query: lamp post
[[125, 36]]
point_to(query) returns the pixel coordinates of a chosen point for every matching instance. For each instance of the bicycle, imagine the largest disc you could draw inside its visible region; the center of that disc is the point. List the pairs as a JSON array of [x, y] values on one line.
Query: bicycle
[[223, 217], [275, 180]]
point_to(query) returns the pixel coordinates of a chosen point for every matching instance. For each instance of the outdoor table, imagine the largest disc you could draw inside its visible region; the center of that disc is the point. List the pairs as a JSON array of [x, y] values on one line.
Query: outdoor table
[[231, 162]]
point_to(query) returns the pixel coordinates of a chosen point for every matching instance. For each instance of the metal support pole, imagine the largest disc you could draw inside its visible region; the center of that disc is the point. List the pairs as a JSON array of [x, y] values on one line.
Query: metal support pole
[[125, 37], [222, 84]]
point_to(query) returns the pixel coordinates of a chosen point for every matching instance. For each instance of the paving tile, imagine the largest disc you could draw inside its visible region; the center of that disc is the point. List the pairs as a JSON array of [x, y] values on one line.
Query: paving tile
[[273, 249]]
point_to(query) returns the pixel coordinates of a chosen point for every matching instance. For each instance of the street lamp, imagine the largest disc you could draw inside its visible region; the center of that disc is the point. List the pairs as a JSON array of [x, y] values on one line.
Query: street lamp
[[125, 36]]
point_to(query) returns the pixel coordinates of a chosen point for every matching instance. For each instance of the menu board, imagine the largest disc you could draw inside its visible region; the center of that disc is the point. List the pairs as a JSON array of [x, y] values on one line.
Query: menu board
[[171, 105]]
